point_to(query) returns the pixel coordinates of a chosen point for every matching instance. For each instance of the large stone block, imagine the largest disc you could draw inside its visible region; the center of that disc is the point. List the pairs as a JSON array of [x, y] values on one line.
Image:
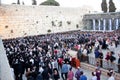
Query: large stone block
[[38, 20]]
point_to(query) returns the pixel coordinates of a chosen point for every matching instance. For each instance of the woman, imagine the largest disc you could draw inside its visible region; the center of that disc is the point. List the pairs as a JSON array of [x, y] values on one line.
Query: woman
[[110, 76], [94, 77], [98, 73], [56, 74], [70, 74]]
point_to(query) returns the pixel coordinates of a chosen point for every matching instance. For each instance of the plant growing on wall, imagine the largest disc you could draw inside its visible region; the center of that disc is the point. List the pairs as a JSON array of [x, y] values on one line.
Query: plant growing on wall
[[49, 30], [60, 23], [68, 22], [77, 26], [25, 33], [53, 24], [11, 31], [6, 26], [13, 3]]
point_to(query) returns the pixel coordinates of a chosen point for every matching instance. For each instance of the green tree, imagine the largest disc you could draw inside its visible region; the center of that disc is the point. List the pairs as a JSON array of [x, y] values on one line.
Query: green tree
[[112, 7], [34, 2], [49, 30], [104, 6], [23, 3], [50, 3], [18, 1]]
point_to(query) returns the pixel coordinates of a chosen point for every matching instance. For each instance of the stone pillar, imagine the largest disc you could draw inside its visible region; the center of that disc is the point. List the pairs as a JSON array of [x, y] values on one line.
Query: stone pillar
[[93, 24], [5, 70], [117, 24], [110, 24], [104, 24], [99, 24]]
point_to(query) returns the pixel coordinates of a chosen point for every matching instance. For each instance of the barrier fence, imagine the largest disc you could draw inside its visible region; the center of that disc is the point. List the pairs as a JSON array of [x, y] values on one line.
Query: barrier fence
[[102, 63]]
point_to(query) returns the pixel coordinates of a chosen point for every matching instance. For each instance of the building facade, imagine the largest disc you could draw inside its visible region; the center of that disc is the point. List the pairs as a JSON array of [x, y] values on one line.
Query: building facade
[[102, 21]]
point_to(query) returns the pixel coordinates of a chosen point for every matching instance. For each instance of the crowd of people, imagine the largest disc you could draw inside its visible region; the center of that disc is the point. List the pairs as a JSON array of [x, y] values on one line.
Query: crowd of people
[[99, 42], [42, 57]]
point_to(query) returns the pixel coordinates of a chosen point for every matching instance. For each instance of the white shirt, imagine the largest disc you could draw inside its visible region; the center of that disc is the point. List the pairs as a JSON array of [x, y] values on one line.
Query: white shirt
[[32, 60], [111, 78], [41, 69], [53, 66], [94, 78], [12, 72], [85, 52]]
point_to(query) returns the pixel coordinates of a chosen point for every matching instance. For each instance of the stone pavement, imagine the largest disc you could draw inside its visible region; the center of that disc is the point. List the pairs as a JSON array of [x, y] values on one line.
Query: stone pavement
[[88, 72]]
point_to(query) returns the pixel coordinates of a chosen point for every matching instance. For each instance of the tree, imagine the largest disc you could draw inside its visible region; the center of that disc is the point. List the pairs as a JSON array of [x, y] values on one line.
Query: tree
[[18, 2], [13, 3], [50, 3], [49, 30], [34, 2], [112, 7], [104, 6], [23, 3]]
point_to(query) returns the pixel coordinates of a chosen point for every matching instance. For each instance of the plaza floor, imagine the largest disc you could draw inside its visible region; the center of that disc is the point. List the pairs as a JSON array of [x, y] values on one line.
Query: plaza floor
[[87, 72]]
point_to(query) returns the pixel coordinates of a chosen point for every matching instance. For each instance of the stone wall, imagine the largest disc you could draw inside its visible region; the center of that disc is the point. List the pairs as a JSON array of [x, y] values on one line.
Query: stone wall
[[20, 20]]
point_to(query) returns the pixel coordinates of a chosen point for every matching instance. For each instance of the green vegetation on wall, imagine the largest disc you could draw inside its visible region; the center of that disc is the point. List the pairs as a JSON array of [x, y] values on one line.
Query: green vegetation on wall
[[49, 30]]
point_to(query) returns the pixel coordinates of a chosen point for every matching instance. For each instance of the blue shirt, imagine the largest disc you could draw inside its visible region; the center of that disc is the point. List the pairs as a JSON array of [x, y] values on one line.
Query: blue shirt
[[96, 54], [64, 68], [83, 77]]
